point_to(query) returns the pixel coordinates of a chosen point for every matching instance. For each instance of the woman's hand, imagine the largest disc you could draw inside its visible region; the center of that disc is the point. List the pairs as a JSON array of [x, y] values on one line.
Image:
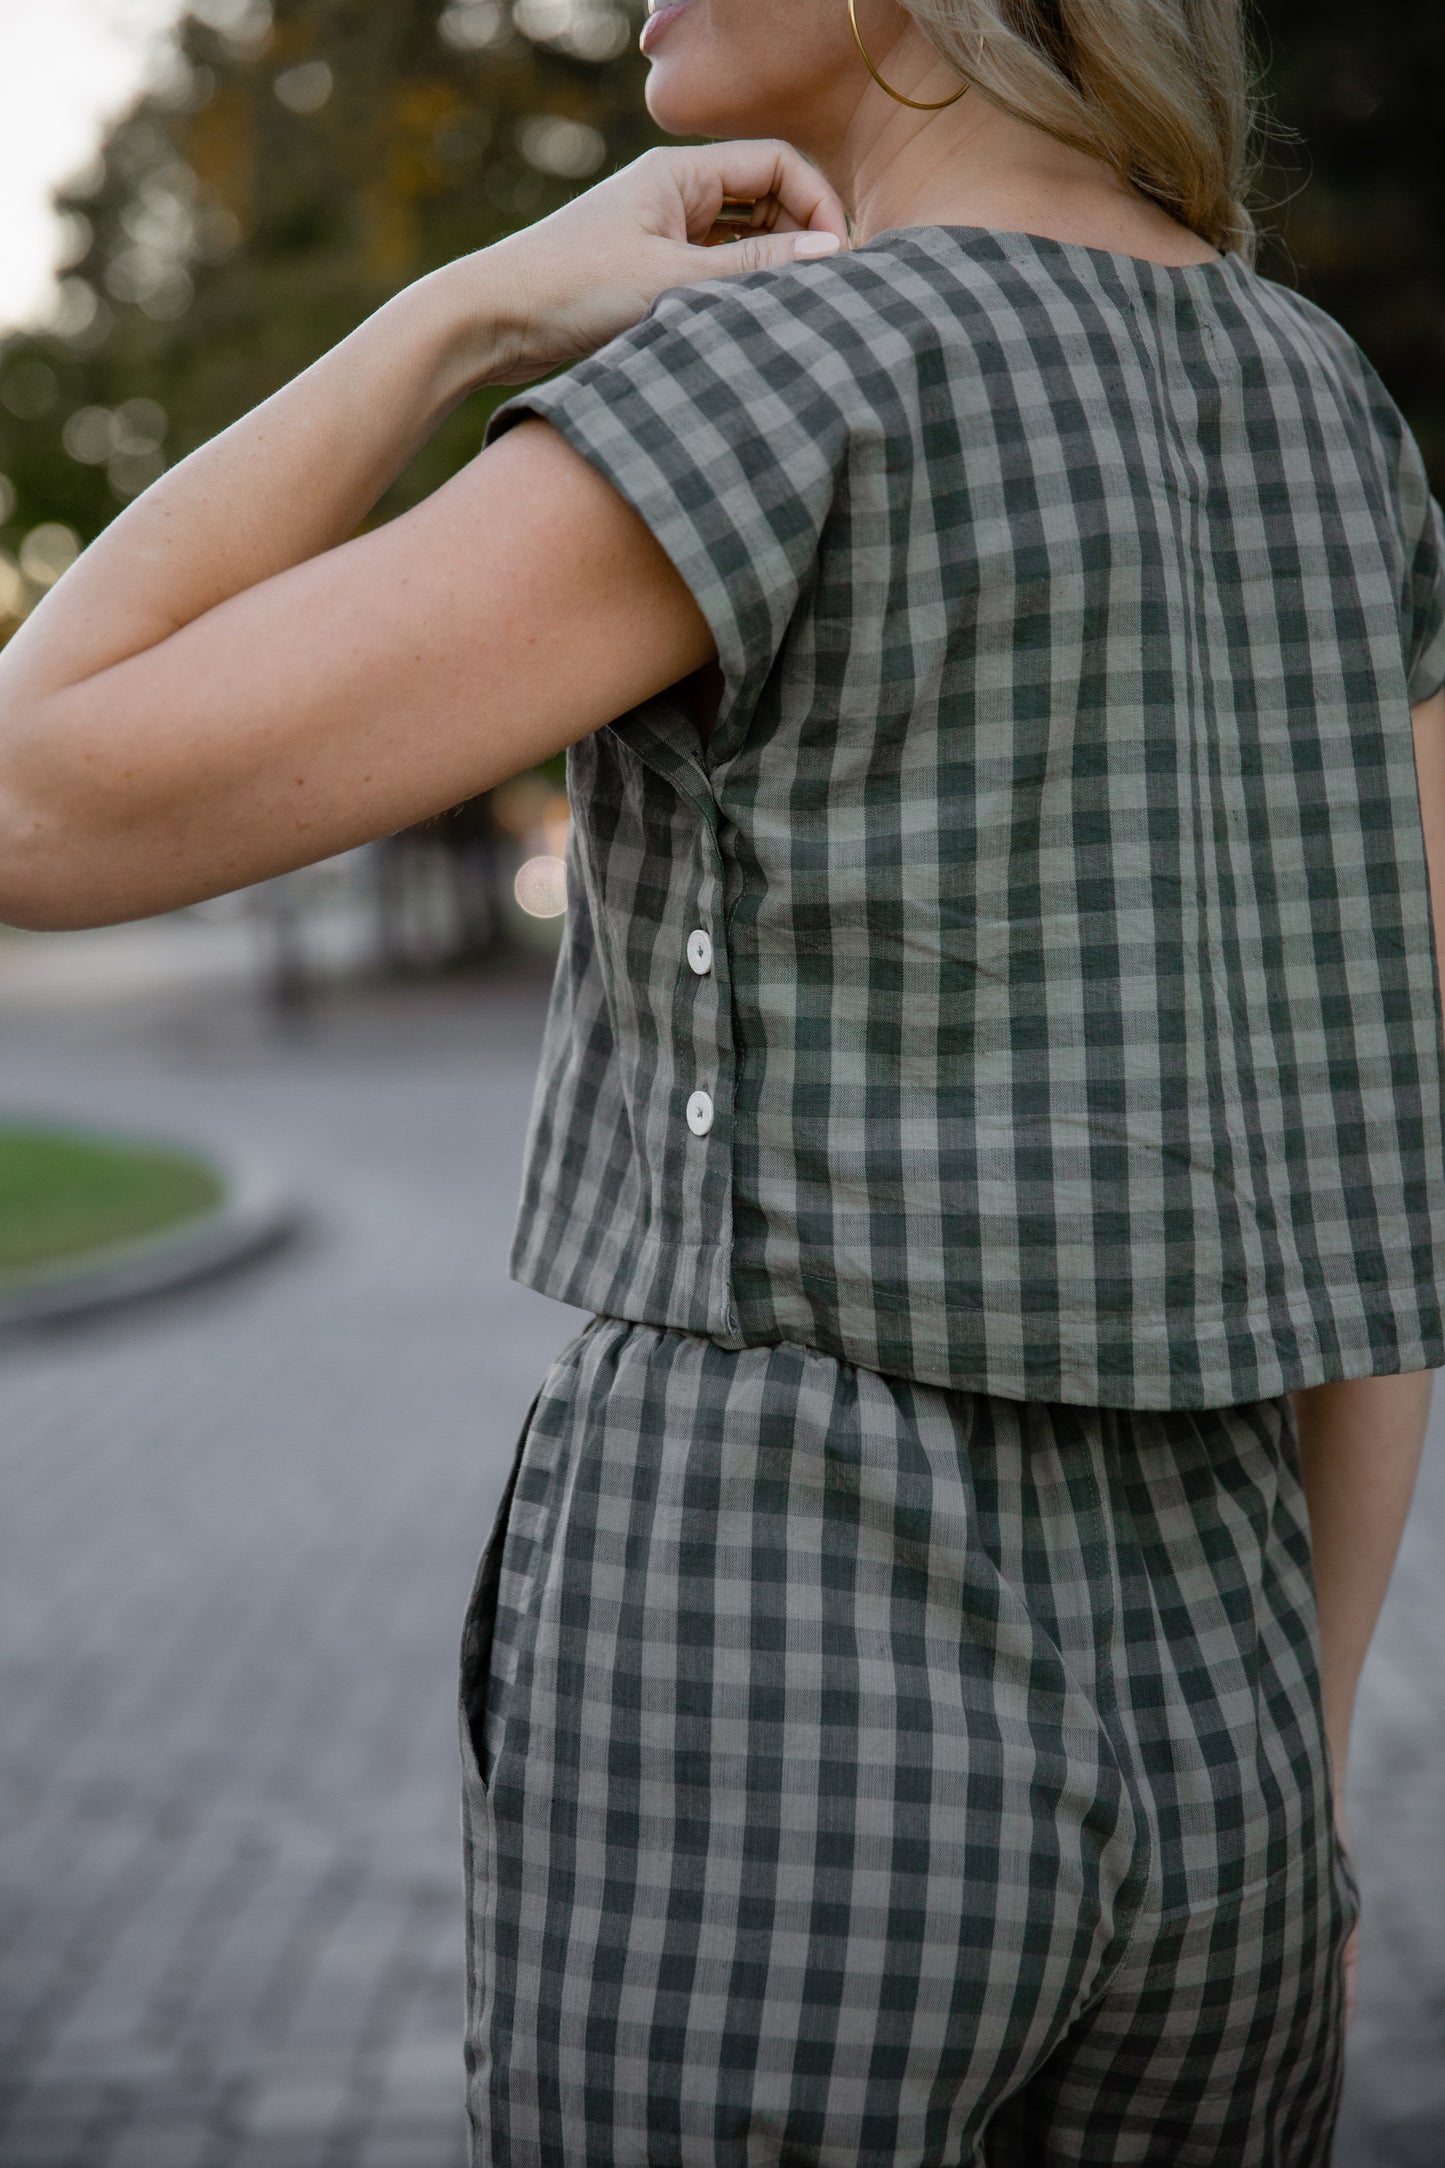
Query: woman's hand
[[594, 268]]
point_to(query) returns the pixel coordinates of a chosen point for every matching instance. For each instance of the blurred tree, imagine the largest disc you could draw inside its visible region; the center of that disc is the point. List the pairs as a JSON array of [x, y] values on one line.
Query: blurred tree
[[1358, 217], [297, 162]]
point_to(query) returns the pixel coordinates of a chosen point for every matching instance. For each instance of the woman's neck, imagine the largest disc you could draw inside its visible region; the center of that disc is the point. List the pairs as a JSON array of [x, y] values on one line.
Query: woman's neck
[[984, 168]]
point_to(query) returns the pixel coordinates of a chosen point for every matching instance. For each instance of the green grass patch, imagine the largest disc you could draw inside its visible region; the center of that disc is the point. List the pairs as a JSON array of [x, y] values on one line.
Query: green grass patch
[[63, 1195]]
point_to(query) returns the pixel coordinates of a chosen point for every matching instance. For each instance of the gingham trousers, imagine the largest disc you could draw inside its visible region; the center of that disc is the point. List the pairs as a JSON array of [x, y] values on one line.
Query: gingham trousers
[[859, 1772]]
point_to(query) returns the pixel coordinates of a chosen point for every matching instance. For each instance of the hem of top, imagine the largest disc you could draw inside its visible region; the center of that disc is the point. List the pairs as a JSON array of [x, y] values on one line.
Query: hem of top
[[1068, 1381], [649, 1259]]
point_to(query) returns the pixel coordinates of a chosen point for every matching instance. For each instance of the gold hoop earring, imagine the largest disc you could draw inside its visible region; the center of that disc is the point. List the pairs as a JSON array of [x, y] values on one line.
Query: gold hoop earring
[[917, 105]]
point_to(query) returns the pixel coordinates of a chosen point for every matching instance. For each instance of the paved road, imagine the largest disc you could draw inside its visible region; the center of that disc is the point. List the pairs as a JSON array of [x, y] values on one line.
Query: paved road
[[236, 1534]]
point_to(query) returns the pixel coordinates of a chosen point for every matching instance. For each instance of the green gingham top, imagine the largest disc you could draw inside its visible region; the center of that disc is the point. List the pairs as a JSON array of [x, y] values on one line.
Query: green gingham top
[[1029, 986]]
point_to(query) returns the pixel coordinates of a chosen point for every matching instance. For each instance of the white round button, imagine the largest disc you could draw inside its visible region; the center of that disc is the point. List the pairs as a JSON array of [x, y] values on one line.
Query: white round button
[[699, 951], [699, 1114]]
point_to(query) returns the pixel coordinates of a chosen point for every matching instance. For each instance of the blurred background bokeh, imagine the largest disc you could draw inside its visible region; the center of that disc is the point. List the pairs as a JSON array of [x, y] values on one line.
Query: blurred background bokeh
[[242, 1491]]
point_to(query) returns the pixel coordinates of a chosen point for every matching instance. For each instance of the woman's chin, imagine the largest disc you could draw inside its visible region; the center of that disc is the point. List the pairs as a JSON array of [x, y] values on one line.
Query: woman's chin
[[685, 116], [663, 104], [690, 109]]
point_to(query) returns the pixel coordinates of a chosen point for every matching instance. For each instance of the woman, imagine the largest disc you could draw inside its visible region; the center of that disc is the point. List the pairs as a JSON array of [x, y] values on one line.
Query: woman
[[992, 1093]]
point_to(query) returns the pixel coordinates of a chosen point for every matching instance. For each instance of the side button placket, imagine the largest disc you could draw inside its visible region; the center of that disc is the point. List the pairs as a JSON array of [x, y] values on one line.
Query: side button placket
[[713, 1053], [657, 735], [701, 1109]]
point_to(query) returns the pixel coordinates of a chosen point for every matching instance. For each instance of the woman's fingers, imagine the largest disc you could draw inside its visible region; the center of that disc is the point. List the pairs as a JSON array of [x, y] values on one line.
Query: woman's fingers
[[596, 266], [764, 252], [762, 198], [760, 172]]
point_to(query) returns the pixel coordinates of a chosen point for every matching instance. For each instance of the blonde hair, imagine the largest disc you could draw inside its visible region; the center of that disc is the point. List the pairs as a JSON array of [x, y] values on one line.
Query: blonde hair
[[1160, 90]]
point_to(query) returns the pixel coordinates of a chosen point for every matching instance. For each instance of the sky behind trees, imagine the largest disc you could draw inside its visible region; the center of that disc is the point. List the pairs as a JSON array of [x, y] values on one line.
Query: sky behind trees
[[69, 67]]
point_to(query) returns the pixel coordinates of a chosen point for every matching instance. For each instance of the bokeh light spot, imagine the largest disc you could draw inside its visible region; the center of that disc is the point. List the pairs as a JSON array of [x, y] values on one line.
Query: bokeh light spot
[[541, 887], [48, 551], [568, 148], [305, 89]]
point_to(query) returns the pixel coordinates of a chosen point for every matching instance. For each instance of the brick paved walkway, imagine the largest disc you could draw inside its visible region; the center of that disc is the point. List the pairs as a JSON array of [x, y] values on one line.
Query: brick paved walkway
[[236, 1535]]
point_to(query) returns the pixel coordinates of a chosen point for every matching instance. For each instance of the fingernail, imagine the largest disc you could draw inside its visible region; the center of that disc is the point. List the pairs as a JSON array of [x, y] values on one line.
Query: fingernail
[[816, 244]]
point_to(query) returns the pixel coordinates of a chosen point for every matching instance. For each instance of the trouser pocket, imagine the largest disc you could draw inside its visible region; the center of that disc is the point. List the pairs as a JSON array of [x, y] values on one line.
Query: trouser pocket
[[479, 1625]]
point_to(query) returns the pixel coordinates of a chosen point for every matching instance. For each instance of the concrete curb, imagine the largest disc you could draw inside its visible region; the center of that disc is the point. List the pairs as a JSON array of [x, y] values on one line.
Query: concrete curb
[[255, 1215]]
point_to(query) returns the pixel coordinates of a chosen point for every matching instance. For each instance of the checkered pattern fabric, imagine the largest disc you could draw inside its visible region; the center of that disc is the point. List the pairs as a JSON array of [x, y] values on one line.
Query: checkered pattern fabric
[[1071, 1027], [861, 1771]]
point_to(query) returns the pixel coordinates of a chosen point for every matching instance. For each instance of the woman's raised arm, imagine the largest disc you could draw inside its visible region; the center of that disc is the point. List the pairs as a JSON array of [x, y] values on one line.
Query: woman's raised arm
[[231, 683]]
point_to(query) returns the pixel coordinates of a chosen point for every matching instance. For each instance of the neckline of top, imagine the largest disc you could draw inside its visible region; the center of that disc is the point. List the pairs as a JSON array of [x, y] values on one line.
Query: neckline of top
[[1210, 266]]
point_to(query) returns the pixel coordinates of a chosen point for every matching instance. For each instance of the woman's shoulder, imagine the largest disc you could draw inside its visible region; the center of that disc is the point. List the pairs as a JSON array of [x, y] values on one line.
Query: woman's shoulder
[[818, 306], [849, 296], [1288, 305], [1320, 345], [813, 345], [848, 329]]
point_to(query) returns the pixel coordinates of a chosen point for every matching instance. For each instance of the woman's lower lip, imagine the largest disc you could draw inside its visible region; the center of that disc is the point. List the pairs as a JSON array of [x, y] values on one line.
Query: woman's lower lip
[[656, 23]]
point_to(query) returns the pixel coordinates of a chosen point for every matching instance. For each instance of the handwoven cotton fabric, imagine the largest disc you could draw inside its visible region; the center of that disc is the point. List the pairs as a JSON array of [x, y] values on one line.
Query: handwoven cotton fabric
[[1070, 1027]]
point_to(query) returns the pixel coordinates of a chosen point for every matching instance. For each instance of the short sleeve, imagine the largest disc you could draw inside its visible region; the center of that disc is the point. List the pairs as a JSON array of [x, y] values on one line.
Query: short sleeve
[[710, 419]]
